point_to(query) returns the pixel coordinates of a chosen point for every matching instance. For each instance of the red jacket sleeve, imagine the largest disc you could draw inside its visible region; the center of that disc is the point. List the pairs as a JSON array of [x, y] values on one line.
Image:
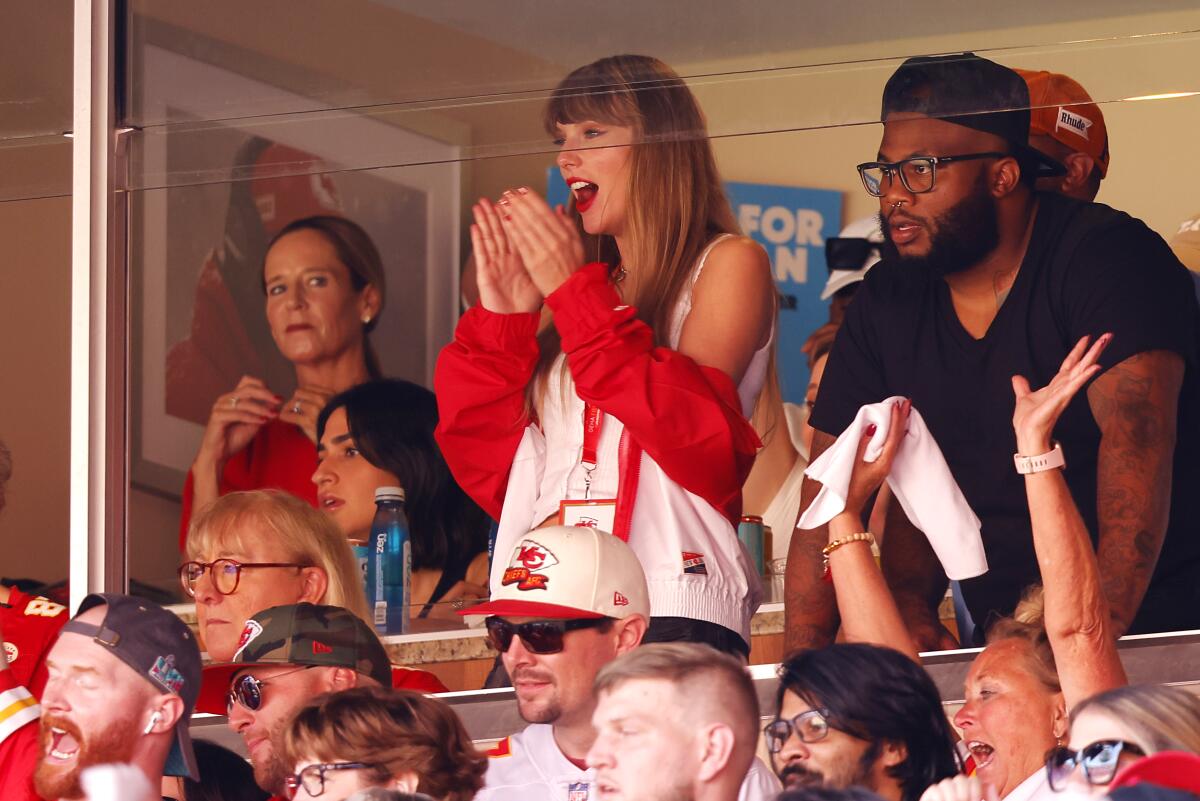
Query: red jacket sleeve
[[687, 417], [480, 383]]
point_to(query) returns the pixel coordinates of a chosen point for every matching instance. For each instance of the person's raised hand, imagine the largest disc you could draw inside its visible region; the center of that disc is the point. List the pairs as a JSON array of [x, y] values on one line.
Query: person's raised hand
[[1036, 412], [868, 476], [547, 240], [504, 285], [302, 409], [235, 419]]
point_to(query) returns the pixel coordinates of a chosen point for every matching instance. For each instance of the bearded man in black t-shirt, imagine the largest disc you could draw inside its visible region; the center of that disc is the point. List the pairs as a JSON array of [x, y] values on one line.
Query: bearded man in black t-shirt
[[984, 278]]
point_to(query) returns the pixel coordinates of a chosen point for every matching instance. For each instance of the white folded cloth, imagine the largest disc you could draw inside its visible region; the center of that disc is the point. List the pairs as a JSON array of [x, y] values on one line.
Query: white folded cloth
[[920, 480]]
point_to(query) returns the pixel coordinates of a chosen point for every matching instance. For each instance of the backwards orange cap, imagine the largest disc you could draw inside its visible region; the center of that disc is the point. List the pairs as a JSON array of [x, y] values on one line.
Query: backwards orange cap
[[1063, 110]]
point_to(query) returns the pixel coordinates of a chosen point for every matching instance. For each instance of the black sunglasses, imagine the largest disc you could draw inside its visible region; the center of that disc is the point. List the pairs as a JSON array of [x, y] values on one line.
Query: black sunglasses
[[1099, 762], [847, 253], [538, 636]]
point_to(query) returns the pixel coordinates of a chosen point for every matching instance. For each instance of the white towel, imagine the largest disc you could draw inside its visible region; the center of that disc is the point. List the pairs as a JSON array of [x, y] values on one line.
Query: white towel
[[920, 480]]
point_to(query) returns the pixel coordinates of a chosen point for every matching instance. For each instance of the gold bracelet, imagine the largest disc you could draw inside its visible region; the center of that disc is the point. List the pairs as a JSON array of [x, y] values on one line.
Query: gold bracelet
[[861, 536]]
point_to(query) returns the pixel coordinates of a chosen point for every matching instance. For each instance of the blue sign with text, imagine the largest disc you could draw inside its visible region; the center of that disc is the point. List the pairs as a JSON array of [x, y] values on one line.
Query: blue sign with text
[[792, 224]]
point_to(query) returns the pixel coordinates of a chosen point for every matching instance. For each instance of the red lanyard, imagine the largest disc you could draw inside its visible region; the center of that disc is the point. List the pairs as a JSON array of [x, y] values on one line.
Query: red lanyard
[[628, 460], [593, 422]]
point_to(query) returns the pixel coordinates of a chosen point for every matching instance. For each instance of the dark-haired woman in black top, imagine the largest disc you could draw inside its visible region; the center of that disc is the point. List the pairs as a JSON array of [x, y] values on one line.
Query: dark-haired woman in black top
[[378, 434]]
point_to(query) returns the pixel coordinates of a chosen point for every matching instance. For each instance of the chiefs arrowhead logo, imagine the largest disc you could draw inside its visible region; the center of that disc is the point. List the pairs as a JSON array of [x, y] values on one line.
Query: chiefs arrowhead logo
[[529, 556], [532, 556], [253, 629]]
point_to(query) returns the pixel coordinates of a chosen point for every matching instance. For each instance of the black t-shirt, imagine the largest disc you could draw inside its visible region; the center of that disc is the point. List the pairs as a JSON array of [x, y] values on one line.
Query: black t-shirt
[[1088, 269]]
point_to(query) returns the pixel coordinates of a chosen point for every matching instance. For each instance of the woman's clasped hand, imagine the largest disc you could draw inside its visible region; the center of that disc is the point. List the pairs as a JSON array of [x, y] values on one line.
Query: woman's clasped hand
[[524, 250]]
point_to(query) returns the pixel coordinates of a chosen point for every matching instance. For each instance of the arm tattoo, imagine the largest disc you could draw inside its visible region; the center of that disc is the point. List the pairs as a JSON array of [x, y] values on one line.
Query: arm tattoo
[[1135, 406]]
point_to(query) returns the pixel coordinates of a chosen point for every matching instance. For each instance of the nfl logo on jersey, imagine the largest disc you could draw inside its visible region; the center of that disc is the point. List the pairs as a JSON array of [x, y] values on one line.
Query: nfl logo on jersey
[[577, 791]]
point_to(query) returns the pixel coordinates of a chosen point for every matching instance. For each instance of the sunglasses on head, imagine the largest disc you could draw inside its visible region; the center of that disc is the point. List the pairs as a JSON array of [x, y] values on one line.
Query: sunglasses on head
[[847, 253], [538, 636], [1099, 762]]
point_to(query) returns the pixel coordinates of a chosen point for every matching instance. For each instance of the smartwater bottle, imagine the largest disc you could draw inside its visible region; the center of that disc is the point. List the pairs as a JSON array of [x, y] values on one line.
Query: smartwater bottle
[[391, 562], [362, 560]]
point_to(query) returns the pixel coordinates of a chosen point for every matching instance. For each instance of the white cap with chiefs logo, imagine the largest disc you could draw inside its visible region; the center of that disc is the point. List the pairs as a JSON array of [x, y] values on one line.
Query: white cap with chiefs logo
[[568, 572]]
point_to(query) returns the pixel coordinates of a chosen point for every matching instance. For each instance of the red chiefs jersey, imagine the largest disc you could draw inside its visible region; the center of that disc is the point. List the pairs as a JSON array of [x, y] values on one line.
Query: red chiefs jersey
[[29, 625]]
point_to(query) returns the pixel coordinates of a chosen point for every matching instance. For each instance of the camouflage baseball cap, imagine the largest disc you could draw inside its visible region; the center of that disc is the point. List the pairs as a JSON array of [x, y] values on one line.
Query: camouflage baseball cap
[[298, 634]]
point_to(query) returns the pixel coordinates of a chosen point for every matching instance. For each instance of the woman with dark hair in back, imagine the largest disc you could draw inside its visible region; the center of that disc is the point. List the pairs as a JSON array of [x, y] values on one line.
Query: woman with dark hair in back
[[324, 288], [380, 434]]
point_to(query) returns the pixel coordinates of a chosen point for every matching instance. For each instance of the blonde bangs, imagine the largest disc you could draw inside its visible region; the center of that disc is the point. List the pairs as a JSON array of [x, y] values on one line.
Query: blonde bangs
[[304, 535]]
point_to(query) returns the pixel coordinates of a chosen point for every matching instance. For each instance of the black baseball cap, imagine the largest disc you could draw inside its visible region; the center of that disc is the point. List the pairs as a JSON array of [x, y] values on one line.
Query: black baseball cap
[[299, 634], [971, 91], [160, 648]]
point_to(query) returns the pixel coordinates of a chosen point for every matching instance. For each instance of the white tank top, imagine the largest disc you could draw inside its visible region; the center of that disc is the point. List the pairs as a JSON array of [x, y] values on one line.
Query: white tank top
[[561, 416]]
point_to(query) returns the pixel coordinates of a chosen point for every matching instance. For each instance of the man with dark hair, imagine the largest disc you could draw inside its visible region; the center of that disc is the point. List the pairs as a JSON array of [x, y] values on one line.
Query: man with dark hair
[[856, 715], [984, 278]]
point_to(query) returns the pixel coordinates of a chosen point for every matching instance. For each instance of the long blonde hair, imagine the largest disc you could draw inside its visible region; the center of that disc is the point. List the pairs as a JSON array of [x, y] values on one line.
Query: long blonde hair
[[677, 202], [305, 536]]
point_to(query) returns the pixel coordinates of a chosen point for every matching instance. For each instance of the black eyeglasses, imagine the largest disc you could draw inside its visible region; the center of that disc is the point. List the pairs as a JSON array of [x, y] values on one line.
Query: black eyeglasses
[[312, 777], [917, 173], [1098, 760], [811, 726], [247, 690], [847, 253], [538, 636], [226, 573]]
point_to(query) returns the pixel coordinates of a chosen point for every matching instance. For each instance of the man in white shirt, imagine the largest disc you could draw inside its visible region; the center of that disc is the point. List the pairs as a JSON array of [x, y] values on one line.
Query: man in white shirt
[[674, 721], [571, 600]]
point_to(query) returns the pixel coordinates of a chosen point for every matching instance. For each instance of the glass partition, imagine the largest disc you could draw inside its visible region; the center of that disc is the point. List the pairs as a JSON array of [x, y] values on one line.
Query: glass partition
[[35, 292], [400, 114]]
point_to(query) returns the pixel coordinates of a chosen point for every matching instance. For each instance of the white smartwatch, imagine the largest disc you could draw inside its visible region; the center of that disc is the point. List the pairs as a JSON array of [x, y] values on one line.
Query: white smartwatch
[[1039, 464]]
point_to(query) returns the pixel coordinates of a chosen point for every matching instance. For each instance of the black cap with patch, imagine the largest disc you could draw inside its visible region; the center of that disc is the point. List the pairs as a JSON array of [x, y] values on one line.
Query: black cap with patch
[[160, 648], [971, 91]]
